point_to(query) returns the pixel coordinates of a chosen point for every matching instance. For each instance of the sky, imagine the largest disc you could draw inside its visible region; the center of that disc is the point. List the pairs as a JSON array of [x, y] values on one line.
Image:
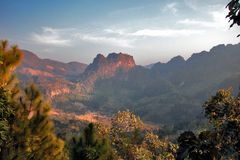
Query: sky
[[149, 30]]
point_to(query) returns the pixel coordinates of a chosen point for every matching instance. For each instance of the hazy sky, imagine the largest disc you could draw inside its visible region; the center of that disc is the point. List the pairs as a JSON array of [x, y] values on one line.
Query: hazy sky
[[150, 30]]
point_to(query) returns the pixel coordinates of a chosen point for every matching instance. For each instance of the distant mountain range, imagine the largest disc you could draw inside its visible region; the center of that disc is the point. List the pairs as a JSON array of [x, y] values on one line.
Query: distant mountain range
[[50, 68], [53, 77], [163, 93], [56, 78]]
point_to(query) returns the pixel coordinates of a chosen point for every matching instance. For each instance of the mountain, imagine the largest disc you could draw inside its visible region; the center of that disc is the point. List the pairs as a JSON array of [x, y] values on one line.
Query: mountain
[[56, 78], [149, 66], [172, 92], [33, 65], [53, 77], [163, 68], [203, 70], [105, 67], [166, 93]]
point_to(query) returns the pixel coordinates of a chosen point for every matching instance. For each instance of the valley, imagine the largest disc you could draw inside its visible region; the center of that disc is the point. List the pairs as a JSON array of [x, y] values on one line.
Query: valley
[[164, 94]]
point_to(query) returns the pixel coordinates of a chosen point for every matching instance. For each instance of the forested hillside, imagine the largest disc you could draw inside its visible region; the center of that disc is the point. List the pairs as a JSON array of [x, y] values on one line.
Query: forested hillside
[[173, 91]]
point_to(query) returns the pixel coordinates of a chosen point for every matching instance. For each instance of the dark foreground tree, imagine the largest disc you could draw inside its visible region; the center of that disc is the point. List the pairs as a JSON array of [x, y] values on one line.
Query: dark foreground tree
[[234, 12], [6, 120], [223, 140], [91, 147], [197, 148]]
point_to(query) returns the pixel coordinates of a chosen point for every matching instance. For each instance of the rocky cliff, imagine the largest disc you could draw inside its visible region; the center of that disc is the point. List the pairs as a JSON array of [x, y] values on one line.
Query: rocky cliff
[[105, 67]]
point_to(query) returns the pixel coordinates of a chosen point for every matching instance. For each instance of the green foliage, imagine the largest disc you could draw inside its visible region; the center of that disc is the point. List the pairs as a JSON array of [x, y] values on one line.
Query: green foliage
[[126, 138], [131, 141], [159, 148], [9, 59], [6, 119], [223, 112], [6, 108], [197, 148], [26, 131], [33, 130], [125, 133], [90, 147], [223, 140]]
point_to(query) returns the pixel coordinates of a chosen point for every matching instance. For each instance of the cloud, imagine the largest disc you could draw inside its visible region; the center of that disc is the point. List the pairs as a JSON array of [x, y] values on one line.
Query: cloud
[[51, 36], [113, 37], [192, 4], [114, 41], [191, 22], [218, 20], [72, 36], [115, 31], [166, 32], [172, 7], [153, 32]]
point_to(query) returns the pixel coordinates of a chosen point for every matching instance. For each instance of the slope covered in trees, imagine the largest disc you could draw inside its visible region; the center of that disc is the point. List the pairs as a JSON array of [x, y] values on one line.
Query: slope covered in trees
[[172, 92]]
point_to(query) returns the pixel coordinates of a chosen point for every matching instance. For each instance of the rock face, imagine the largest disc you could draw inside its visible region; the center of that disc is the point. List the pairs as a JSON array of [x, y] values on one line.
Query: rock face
[[105, 67]]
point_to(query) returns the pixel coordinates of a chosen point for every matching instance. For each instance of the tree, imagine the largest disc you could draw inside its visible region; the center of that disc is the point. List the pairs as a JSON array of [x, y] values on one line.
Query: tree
[[26, 131], [33, 131], [197, 148], [6, 119], [223, 140], [223, 112], [125, 133], [91, 147], [131, 141], [160, 148], [234, 12], [10, 57]]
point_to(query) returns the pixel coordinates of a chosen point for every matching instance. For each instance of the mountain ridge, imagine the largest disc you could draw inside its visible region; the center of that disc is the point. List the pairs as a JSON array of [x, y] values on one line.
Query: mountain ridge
[[169, 93], [105, 67], [52, 66], [76, 77]]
